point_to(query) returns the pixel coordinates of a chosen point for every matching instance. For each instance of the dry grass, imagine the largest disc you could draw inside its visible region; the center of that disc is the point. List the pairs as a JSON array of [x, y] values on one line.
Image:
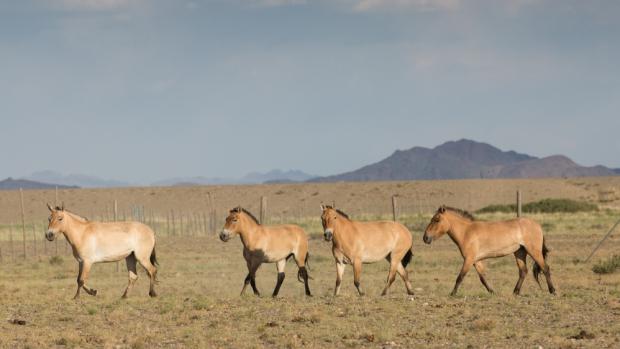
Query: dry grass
[[199, 305]]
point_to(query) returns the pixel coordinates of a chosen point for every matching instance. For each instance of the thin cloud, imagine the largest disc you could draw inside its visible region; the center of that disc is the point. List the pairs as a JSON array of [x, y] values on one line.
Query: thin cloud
[[426, 5], [95, 5]]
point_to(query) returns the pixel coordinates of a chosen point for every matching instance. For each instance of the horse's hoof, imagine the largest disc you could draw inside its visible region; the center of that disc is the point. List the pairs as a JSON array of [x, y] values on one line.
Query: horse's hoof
[[152, 294], [93, 292]]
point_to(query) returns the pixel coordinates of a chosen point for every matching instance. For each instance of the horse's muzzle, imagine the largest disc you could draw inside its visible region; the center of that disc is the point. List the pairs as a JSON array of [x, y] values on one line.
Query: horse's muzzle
[[427, 239], [328, 235], [224, 236], [49, 236]]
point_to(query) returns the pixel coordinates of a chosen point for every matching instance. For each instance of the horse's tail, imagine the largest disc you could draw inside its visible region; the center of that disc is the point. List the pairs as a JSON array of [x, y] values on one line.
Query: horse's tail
[[303, 273], [154, 257], [536, 269], [407, 258]]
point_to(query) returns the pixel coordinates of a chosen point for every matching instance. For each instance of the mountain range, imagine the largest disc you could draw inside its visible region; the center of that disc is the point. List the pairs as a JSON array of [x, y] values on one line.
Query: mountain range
[[467, 159], [460, 159], [12, 184]]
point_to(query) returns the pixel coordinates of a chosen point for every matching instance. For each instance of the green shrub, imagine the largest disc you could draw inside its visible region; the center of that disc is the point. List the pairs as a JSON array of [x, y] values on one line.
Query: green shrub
[[544, 206], [607, 267]]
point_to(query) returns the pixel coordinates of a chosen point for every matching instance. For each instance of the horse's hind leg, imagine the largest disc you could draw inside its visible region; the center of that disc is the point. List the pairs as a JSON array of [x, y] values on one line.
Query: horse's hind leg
[[151, 270], [133, 274], [405, 276], [357, 275], [538, 258], [520, 256], [391, 276], [300, 259], [280, 265], [480, 269]]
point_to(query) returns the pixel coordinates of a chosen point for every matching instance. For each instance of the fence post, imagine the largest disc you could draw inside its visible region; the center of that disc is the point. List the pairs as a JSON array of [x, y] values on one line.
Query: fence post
[[394, 208], [118, 268], [518, 202], [11, 241], [263, 209], [21, 195], [34, 239]]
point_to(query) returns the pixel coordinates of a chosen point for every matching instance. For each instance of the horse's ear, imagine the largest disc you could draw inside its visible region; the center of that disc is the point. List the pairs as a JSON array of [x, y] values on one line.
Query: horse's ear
[[238, 209], [62, 206], [50, 207], [442, 209], [322, 207]]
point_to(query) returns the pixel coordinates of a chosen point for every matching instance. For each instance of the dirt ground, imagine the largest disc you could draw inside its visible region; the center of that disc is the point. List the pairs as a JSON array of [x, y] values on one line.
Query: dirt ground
[[199, 303]]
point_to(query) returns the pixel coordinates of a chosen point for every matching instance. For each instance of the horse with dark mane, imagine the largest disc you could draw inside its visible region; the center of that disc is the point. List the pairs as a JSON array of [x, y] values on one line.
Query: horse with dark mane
[[267, 244], [479, 240], [355, 243]]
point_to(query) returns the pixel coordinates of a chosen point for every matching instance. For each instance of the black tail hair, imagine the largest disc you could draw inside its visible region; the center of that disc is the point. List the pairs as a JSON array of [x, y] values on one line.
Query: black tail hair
[[154, 257], [405, 261], [536, 269]]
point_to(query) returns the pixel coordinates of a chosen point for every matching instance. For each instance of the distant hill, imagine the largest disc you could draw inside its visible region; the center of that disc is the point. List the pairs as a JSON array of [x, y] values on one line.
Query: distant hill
[[273, 176], [80, 180], [12, 184], [466, 159]]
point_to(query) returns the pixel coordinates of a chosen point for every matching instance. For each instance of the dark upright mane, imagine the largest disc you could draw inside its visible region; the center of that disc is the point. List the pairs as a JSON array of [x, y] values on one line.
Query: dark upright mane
[[461, 213], [339, 211], [237, 209]]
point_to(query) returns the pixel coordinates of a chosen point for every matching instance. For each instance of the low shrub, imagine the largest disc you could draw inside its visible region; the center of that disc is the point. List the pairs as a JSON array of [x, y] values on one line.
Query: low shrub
[[607, 266], [544, 206]]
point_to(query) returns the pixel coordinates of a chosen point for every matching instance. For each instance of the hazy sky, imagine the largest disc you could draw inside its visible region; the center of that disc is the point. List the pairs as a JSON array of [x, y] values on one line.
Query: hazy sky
[[141, 90]]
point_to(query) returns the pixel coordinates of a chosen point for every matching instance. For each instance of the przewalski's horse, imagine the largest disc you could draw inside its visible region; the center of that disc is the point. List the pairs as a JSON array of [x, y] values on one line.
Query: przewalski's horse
[[263, 244], [367, 242], [479, 240], [98, 242]]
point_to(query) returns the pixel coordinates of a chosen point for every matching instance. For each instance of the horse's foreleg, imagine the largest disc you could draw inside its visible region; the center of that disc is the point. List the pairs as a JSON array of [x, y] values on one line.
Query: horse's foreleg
[[280, 265], [464, 269], [85, 271], [520, 256], [80, 283], [480, 269], [357, 274], [391, 277], [253, 268], [339, 273]]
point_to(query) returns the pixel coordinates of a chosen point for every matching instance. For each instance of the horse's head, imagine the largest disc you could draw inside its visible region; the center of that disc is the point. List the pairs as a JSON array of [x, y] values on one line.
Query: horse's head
[[438, 226], [329, 216], [232, 224], [57, 222]]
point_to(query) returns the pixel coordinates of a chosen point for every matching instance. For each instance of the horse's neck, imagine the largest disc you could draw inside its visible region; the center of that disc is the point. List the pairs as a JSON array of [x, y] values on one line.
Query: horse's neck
[[75, 232], [458, 227], [250, 234], [342, 233]]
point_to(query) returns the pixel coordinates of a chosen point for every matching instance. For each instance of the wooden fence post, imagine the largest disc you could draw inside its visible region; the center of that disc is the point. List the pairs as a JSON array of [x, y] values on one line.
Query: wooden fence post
[[118, 268], [34, 239], [518, 202], [394, 208], [11, 242], [263, 209], [21, 195]]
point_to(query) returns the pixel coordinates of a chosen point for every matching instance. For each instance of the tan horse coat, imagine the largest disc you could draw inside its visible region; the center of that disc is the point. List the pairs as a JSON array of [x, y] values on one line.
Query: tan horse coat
[[98, 242], [267, 244], [478, 240], [367, 242]]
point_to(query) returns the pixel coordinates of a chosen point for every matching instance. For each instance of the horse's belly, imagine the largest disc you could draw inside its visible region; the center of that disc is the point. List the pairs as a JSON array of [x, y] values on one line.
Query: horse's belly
[[373, 256], [502, 251]]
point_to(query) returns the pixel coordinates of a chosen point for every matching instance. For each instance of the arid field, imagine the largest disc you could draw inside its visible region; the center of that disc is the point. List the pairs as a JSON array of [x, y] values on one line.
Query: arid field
[[201, 277]]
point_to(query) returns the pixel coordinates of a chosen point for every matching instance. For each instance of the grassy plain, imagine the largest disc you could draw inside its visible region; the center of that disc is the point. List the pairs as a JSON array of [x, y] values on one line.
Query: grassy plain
[[200, 306]]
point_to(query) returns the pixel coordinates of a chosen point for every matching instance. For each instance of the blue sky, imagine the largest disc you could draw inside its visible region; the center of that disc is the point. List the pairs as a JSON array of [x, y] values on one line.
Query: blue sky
[[141, 90]]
